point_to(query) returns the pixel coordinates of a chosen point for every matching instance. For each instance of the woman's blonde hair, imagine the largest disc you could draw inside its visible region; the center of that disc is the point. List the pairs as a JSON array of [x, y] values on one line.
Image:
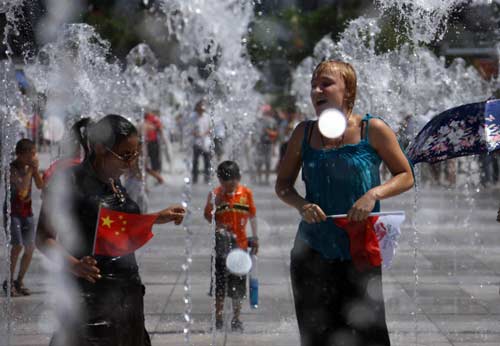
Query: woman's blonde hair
[[348, 74]]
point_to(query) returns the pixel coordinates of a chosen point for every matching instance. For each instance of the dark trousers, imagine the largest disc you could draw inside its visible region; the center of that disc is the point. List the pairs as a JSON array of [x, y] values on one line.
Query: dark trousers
[[197, 152], [335, 304], [154, 155], [490, 169], [112, 314]]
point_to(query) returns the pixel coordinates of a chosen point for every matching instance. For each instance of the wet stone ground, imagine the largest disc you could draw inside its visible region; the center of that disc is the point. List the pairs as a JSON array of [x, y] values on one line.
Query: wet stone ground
[[454, 302]]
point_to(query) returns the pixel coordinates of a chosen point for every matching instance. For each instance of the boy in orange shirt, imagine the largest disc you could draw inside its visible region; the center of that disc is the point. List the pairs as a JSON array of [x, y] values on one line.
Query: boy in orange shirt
[[234, 206]]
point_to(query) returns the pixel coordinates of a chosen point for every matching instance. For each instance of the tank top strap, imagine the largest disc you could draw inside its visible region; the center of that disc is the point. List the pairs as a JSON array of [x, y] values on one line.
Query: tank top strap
[[366, 125]]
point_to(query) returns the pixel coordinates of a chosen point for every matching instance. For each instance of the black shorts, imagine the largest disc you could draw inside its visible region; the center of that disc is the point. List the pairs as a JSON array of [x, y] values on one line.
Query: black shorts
[[226, 283], [335, 304]]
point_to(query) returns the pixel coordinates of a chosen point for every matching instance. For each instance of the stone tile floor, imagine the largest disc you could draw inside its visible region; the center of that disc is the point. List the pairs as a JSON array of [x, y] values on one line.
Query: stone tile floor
[[455, 300]]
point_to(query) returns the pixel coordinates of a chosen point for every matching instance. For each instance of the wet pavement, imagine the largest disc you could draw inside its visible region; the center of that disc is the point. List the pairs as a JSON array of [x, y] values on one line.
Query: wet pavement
[[454, 301]]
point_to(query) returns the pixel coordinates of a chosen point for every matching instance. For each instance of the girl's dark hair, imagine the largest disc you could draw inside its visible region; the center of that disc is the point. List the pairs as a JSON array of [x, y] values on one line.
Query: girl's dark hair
[[109, 131], [78, 135], [228, 170], [24, 145]]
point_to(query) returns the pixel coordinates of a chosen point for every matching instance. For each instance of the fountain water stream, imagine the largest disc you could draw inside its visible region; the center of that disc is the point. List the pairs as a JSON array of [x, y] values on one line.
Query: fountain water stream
[[409, 80], [80, 77], [9, 127], [230, 78]]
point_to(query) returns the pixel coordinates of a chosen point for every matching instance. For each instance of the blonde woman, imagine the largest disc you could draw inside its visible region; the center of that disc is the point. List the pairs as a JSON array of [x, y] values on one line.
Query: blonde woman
[[336, 303]]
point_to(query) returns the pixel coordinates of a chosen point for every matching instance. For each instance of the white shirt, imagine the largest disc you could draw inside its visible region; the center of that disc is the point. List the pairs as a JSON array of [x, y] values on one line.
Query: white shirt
[[202, 131]]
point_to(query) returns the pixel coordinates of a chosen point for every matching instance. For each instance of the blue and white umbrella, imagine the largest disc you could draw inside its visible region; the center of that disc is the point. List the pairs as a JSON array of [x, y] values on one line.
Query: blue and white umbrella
[[461, 131]]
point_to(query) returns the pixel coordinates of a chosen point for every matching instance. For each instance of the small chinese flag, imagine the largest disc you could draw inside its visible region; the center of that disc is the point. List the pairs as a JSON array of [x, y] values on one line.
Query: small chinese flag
[[364, 246], [119, 234]]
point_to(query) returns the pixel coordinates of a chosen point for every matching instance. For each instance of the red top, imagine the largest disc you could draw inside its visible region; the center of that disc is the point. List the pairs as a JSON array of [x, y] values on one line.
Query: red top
[[20, 199], [20, 203], [59, 164], [233, 211], [153, 126]]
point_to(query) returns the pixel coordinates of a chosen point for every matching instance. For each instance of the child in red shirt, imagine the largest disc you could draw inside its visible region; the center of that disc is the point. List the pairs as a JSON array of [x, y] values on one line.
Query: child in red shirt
[[234, 206]]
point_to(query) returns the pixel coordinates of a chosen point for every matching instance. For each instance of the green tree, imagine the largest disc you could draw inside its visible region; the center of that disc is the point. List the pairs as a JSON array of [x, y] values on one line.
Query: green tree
[[120, 28]]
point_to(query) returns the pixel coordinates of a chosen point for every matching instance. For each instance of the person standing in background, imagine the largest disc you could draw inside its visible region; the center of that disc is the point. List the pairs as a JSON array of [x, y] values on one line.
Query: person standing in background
[[287, 125], [23, 170], [201, 141], [267, 132], [154, 132], [234, 207], [219, 138]]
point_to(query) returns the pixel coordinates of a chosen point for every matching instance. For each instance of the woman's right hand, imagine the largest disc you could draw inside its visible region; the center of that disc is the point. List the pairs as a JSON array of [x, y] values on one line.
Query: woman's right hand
[[498, 215], [175, 213], [85, 268], [312, 213]]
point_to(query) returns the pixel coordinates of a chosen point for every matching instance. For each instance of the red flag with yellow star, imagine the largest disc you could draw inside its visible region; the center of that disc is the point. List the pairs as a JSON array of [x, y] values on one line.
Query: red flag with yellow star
[[118, 233]]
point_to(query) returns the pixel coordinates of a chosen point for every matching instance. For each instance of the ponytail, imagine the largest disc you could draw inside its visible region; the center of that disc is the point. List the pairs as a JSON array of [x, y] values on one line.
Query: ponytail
[[79, 132]]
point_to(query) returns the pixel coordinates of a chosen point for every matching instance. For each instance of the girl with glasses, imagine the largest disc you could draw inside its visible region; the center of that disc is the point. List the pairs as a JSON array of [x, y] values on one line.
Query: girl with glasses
[[106, 306]]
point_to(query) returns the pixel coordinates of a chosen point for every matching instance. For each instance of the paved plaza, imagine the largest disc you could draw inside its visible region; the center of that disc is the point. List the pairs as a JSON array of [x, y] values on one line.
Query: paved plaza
[[451, 299]]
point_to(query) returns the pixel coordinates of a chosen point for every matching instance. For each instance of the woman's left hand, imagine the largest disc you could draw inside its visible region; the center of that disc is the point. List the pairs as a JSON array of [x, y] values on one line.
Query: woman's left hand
[[362, 208], [175, 213], [498, 215]]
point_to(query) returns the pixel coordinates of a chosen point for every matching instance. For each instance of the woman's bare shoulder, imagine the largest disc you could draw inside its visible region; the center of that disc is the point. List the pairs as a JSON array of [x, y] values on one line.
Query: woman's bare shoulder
[[381, 134], [379, 125], [298, 132]]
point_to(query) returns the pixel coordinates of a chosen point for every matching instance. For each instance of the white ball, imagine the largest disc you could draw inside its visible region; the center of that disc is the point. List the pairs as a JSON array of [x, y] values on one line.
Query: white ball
[[332, 123], [238, 262]]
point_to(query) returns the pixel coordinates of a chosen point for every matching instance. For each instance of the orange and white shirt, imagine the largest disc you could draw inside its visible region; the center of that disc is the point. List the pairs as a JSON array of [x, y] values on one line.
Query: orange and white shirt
[[233, 211]]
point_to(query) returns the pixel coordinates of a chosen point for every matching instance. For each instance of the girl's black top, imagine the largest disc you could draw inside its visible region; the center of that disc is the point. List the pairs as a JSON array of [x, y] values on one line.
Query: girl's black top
[[79, 194]]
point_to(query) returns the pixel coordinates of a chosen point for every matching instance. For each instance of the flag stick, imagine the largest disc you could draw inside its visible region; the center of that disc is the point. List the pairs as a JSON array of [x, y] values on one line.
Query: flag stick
[[382, 213], [96, 228]]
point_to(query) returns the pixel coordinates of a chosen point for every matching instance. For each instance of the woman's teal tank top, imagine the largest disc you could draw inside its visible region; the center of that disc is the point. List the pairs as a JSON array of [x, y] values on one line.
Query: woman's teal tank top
[[335, 179]]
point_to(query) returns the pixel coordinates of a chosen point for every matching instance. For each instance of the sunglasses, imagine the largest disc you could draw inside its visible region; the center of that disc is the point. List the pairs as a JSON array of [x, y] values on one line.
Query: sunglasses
[[125, 158]]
